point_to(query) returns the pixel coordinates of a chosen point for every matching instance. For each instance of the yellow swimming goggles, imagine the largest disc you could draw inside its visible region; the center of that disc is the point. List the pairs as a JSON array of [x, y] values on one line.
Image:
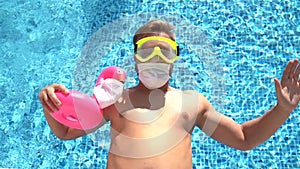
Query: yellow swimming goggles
[[149, 47]]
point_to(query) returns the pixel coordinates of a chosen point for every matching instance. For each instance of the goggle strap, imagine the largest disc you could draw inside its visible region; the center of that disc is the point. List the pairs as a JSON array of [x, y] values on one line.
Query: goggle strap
[[135, 48]]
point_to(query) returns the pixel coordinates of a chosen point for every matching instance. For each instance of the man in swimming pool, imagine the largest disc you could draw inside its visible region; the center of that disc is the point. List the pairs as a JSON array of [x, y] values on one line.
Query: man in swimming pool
[[151, 125]]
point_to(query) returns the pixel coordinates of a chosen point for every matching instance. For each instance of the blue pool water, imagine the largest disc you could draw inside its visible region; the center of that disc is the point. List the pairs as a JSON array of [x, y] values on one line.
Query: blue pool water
[[230, 52]]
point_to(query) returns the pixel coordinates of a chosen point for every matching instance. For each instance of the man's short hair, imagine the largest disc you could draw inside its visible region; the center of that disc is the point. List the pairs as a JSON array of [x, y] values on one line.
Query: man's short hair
[[154, 28]]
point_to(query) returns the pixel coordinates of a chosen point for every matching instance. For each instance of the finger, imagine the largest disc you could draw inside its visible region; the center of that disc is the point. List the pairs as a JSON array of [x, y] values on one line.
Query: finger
[[277, 87], [51, 106], [46, 102], [297, 72], [60, 87], [53, 100], [292, 70], [287, 70]]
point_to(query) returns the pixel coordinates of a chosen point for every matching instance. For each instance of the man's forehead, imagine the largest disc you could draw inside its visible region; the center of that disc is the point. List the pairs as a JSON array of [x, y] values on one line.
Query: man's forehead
[[163, 34]]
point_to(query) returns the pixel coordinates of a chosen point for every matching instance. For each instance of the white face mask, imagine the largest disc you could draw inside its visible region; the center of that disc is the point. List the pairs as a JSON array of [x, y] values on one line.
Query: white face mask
[[108, 92], [153, 75]]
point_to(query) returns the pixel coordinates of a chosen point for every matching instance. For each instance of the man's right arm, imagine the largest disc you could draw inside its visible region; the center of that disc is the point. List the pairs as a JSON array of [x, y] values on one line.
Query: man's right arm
[[51, 103], [61, 131]]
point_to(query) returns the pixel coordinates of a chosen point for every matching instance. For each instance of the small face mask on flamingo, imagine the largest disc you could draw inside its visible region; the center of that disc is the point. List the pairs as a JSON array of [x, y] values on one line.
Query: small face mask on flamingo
[[108, 92], [109, 86]]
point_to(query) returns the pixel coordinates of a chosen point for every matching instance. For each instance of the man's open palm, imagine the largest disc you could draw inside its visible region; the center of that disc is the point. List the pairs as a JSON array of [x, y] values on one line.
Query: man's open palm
[[288, 90]]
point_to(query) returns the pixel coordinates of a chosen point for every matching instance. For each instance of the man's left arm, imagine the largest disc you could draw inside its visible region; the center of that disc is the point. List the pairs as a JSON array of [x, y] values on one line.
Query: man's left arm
[[254, 132]]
